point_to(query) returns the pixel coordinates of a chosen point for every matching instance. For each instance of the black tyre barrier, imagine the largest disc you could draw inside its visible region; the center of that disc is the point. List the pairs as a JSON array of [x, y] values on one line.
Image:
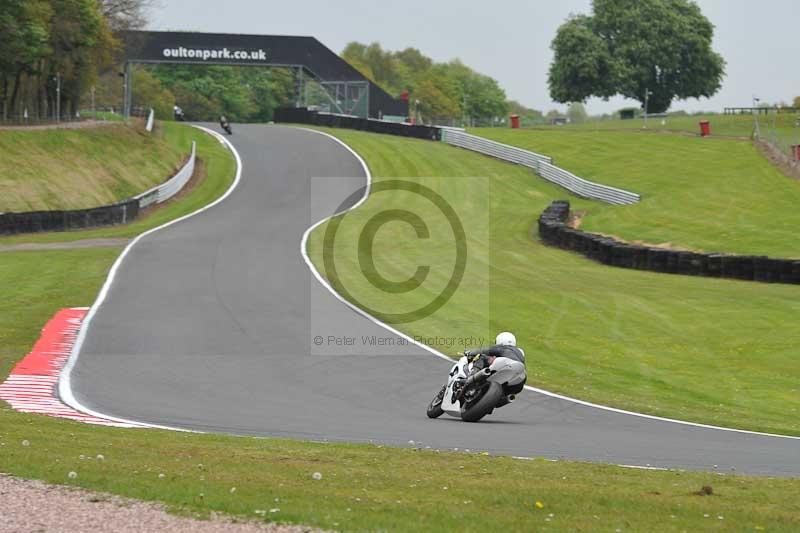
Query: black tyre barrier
[[554, 231], [302, 115], [39, 221]]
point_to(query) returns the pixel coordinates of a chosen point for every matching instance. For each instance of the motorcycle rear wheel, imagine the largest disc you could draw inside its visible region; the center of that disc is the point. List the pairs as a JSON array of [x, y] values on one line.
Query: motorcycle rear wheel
[[484, 405], [435, 407]]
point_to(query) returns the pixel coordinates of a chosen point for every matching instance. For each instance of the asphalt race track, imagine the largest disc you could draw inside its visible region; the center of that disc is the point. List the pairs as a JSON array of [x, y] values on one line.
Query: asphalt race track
[[209, 326]]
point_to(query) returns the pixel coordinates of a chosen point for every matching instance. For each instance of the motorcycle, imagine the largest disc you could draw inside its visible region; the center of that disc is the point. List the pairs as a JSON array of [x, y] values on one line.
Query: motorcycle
[[472, 395], [226, 126]]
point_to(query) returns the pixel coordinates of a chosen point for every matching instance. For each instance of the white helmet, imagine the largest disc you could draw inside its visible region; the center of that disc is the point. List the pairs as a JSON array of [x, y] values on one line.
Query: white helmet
[[506, 339]]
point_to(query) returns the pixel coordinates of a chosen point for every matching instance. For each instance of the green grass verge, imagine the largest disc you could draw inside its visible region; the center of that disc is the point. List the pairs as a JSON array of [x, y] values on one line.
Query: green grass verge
[[35, 285], [80, 168], [102, 115], [219, 168], [372, 488], [705, 194], [714, 351], [363, 488]]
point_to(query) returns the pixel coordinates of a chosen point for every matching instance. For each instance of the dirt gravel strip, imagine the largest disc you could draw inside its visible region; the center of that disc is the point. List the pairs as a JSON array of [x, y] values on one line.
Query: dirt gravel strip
[[27, 505]]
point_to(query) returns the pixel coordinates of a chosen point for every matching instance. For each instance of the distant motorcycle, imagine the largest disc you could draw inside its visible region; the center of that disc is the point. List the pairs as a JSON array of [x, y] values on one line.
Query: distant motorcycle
[[225, 125], [471, 396]]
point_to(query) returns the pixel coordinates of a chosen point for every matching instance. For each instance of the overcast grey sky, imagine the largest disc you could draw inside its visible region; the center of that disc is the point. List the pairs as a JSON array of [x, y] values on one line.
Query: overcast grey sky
[[510, 39]]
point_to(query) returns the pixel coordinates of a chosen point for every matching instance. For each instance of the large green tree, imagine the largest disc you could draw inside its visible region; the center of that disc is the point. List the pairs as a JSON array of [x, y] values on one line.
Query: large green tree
[[25, 42], [480, 96], [630, 47], [42, 41], [374, 62], [150, 93], [433, 98], [81, 43]]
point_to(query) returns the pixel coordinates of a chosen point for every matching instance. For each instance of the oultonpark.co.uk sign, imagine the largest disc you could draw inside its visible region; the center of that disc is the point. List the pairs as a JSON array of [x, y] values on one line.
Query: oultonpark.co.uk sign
[[215, 54]]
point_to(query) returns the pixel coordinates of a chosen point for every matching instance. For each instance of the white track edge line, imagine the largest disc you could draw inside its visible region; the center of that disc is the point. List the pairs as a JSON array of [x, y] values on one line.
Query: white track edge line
[[371, 318], [65, 379]]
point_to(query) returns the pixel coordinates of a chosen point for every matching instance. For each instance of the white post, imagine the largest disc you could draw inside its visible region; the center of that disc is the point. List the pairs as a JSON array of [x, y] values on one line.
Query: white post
[[124, 77], [58, 97], [755, 117], [646, 105], [300, 89], [129, 82], [797, 147]]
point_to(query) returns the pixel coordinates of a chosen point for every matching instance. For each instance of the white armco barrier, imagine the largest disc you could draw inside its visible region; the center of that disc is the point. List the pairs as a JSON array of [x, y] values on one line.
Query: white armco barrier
[[492, 148], [170, 188], [542, 165], [586, 188], [151, 118]]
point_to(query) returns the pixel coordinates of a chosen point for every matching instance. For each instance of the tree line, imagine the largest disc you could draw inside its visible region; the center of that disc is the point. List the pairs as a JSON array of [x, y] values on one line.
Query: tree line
[[243, 94], [437, 91], [52, 51]]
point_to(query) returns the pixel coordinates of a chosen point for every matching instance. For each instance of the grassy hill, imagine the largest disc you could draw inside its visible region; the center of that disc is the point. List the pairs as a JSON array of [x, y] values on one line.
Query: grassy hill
[[81, 168], [707, 350], [715, 195]]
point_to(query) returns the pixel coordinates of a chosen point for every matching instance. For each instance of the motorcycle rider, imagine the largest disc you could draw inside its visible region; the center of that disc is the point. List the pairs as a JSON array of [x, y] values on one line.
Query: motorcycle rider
[[505, 346], [224, 124]]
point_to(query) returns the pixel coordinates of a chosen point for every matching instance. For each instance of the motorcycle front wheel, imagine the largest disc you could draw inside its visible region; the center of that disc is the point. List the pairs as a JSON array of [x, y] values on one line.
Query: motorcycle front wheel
[[435, 407]]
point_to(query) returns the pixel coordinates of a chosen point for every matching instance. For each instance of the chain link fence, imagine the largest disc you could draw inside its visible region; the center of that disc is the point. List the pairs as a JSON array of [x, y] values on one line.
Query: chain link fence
[[781, 131]]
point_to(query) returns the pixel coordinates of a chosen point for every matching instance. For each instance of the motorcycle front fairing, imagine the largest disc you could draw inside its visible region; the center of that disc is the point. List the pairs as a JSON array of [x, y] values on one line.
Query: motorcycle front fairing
[[460, 370]]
